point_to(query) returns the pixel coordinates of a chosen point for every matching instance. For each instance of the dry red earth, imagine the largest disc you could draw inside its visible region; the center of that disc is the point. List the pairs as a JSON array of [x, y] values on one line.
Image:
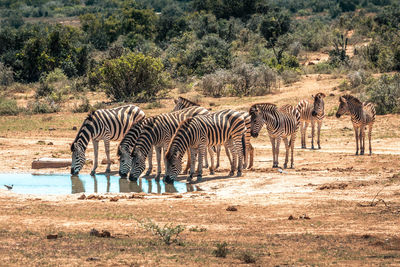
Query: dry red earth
[[334, 208]]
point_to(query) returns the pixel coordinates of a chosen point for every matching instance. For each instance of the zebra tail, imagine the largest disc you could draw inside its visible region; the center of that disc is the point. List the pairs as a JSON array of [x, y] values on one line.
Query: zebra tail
[[244, 145]]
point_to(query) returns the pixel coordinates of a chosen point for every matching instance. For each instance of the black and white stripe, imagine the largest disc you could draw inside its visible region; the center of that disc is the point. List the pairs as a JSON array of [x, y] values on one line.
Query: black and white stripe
[[311, 113], [281, 123], [126, 146], [202, 132], [106, 125], [158, 133], [362, 115]]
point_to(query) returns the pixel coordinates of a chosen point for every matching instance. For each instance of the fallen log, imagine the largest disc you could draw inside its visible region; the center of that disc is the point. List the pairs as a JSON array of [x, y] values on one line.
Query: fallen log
[[51, 163]]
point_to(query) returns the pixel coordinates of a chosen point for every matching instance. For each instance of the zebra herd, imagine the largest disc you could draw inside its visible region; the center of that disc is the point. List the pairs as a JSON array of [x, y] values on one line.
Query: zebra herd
[[198, 132]]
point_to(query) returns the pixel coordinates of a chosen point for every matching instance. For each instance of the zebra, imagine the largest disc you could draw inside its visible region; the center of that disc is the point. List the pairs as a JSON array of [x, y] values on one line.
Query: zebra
[[106, 125], [182, 102], [311, 113], [126, 146], [281, 123], [158, 134], [362, 115], [202, 132]]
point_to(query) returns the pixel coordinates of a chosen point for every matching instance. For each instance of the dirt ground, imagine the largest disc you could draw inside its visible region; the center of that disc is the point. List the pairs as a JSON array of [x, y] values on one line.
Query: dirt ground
[[334, 208]]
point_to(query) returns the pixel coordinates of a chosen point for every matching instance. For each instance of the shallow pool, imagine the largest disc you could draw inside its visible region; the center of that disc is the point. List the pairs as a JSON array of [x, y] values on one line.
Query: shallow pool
[[61, 184]]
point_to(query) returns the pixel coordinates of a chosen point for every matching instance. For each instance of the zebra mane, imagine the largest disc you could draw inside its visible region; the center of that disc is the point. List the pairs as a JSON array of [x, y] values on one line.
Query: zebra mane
[[352, 99], [187, 101], [182, 124], [255, 107], [89, 117]]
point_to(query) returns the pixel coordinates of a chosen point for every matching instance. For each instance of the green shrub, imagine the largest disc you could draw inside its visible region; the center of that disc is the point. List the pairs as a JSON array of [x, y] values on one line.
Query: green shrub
[[290, 76], [82, 107], [132, 77], [42, 106], [168, 233], [9, 107], [44, 89], [385, 94], [221, 251], [6, 75], [247, 257], [54, 76], [154, 105]]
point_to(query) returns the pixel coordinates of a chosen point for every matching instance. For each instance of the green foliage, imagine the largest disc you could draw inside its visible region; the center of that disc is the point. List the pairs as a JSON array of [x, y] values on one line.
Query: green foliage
[[274, 25], [6, 75], [385, 94], [132, 77], [9, 107], [82, 107], [222, 250], [168, 233], [54, 76], [247, 257]]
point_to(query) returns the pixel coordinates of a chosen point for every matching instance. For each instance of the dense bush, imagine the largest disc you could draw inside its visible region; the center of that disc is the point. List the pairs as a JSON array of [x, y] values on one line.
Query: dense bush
[[385, 94], [9, 107], [132, 77]]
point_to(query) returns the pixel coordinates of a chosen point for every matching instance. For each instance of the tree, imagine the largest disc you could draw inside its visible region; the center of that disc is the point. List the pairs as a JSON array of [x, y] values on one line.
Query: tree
[[132, 77]]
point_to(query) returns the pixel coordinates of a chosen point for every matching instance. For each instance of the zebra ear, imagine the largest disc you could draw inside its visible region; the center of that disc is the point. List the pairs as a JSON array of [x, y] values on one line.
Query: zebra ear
[[322, 95], [175, 101], [342, 99]]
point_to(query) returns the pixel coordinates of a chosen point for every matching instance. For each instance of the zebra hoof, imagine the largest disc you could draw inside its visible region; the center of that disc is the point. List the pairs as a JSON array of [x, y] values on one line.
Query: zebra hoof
[[285, 166], [168, 180], [212, 172], [132, 179], [93, 173], [231, 173], [108, 170], [239, 174], [199, 178]]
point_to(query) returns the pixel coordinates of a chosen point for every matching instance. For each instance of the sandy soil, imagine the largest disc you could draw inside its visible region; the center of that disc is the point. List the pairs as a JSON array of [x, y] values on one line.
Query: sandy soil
[[345, 208]]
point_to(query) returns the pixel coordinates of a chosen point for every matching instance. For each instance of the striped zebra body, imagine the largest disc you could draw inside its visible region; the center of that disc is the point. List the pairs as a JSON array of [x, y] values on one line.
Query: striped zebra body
[[158, 133], [182, 102], [103, 124], [281, 123], [202, 132], [311, 113], [362, 115], [126, 146]]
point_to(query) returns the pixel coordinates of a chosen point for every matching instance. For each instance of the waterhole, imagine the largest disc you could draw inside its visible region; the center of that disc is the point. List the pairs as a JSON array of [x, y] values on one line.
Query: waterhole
[[62, 184]]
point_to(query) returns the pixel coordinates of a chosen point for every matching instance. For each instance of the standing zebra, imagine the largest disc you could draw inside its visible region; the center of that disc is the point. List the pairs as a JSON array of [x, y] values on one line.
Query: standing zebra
[[182, 102], [158, 133], [281, 123], [309, 113], [106, 125], [126, 146], [362, 115], [202, 132]]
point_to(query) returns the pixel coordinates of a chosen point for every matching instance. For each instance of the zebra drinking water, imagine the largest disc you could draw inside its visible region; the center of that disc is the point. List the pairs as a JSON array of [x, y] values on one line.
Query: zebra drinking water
[[311, 113], [106, 125], [158, 134], [281, 123], [362, 115], [202, 132]]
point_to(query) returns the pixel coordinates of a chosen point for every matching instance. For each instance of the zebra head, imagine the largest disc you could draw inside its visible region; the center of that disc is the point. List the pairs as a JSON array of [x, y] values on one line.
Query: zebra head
[[78, 158], [138, 164], [125, 161], [318, 108], [173, 165], [343, 107], [256, 121]]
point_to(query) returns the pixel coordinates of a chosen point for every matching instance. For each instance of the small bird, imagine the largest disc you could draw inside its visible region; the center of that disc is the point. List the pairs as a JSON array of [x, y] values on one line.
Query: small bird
[[9, 187]]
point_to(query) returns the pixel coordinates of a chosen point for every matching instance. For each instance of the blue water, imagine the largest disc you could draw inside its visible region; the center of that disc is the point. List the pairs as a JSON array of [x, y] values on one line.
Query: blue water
[[62, 184]]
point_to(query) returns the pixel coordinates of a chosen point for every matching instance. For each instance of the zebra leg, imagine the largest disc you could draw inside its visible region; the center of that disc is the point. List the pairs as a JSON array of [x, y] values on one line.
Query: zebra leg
[[150, 162], [285, 140], [278, 143], [107, 148], [202, 151], [193, 154], [291, 144], [304, 135], [312, 133], [205, 160], [185, 171], [211, 152], [158, 155], [356, 133], [369, 139], [362, 139], [273, 151], [228, 149], [218, 148], [239, 151], [96, 157], [234, 160], [319, 134], [251, 155]]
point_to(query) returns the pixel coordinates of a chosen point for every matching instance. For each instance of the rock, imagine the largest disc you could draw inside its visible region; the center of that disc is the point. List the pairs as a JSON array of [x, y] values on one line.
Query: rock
[[82, 197], [51, 163], [114, 199], [178, 196], [74, 128], [94, 232], [92, 259], [304, 217], [52, 129], [104, 233], [231, 208], [291, 217], [51, 236], [50, 143]]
